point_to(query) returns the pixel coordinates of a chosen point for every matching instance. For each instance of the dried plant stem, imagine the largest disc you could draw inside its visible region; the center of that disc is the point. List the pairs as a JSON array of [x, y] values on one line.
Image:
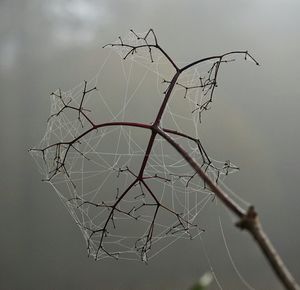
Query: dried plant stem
[[248, 220], [252, 224]]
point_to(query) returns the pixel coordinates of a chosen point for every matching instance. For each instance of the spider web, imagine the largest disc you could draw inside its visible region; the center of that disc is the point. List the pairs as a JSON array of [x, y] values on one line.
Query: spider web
[[100, 166]]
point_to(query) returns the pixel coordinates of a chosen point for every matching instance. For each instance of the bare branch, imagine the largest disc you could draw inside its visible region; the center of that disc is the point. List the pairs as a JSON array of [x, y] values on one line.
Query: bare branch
[[145, 44], [148, 197]]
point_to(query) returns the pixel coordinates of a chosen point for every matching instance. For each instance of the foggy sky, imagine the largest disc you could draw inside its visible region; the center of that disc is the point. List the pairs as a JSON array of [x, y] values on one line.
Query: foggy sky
[[255, 121]]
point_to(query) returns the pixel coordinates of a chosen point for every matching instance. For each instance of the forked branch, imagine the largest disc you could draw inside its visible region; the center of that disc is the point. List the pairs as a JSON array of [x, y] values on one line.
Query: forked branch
[[248, 218]]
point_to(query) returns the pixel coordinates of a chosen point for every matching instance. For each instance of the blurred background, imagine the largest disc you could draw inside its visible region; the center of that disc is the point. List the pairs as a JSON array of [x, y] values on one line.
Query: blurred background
[[49, 44]]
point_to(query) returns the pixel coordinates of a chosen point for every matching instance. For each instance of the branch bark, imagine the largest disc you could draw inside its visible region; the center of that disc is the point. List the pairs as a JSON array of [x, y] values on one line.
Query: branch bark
[[248, 220]]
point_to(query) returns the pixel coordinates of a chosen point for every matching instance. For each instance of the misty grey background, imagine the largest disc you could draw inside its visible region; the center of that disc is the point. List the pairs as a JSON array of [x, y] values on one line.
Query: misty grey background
[[49, 44]]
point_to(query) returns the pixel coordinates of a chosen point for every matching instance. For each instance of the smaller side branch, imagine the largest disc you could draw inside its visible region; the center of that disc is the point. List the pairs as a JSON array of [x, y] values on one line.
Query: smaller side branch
[[133, 48], [206, 161], [67, 105], [233, 206], [219, 57]]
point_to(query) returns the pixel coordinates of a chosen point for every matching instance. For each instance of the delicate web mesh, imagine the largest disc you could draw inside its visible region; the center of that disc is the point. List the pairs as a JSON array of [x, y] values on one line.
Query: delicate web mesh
[[96, 176]]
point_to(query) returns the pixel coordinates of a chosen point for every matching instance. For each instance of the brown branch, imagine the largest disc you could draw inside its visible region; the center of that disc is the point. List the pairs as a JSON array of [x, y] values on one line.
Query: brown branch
[[251, 223], [134, 48], [248, 219]]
